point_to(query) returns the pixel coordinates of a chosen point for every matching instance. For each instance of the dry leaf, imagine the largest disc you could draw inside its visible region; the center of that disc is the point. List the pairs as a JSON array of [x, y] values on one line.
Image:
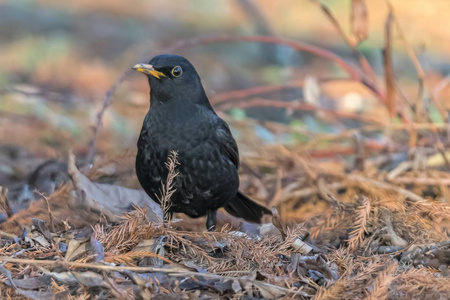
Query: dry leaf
[[76, 248], [112, 200]]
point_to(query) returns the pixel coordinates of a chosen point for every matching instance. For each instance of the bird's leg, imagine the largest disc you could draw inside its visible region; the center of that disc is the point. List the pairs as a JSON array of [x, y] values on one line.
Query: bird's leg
[[211, 220]]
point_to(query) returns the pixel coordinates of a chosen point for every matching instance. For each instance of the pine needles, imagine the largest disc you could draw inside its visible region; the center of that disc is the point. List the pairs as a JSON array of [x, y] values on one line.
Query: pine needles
[[168, 187], [360, 223]]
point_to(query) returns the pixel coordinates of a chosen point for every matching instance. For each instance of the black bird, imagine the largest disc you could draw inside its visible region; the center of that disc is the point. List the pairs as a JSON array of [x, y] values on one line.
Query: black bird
[[182, 119]]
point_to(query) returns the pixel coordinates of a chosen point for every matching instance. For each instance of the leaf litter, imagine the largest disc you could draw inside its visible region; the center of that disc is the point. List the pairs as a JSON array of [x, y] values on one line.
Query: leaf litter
[[376, 240], [375, 226]]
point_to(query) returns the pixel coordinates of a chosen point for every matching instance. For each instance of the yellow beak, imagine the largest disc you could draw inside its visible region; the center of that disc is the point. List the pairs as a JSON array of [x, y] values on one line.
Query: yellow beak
[[148, 70]]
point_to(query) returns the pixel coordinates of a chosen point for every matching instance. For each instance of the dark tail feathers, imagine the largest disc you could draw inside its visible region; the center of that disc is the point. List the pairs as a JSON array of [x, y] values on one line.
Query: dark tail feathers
[[243, 207]]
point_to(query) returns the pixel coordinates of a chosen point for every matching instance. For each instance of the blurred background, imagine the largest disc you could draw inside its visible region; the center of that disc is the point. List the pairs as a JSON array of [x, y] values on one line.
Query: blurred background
[[62, 61]]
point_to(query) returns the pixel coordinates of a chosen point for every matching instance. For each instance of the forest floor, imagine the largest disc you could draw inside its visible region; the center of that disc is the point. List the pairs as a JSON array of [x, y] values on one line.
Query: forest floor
[[348, 149]]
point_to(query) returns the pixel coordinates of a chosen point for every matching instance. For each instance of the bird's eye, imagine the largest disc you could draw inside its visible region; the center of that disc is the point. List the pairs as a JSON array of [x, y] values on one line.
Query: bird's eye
[[177, 71]]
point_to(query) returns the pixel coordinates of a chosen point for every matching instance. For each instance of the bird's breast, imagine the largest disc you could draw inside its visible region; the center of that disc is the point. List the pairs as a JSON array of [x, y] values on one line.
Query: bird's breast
[[206, 175]]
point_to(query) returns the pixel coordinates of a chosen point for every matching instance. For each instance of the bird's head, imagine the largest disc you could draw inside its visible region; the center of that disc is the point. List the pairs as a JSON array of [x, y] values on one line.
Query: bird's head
[[173, 77]]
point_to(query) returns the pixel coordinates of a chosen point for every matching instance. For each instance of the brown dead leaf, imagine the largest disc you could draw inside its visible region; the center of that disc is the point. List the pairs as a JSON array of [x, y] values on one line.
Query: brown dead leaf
[[269, 291], [76, 248], [112, 200], [90, 279], [33, 283]]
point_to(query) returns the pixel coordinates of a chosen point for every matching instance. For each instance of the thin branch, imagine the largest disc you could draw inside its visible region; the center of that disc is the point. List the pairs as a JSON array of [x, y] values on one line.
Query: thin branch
[[423, 81], [362, 60], [404, 192], [236, 94], [7, 235], [352, 71], [89, 265], [257, 102], [441, 86], [106, 104], [306, 192], [417, 65], [388, 68], [422, 181]]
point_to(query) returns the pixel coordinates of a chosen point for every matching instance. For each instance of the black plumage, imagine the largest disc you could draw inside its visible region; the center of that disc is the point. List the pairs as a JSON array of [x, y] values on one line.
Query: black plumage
[[182, 119]]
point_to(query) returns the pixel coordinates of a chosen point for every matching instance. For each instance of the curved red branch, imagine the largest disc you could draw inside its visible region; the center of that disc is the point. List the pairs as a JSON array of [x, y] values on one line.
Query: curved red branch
[[223, 97], [352, 71], [299, 106]]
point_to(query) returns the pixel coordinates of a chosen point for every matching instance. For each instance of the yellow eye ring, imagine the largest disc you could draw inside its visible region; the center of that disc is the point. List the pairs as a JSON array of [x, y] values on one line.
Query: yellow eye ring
[[177, 71]]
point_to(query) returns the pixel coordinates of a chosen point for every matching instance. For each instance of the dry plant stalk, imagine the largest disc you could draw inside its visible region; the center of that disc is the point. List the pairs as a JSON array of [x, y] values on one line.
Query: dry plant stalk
[[359, 21], [388, 66], [129, 257], [168, 188]]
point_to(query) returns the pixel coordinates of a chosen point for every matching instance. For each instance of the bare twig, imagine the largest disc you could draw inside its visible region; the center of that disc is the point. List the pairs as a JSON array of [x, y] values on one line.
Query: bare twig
[[395, 239], [307, 192], [422, 181], [404, 192], [258, 102], [252, 92], [50, 213], [401, 168], [441, 86], [359, 21], [256, 17], [352, 71], [96, 128], [352, 44], [423, 81], [6, 234], [388, 69], [360, 153], [416, 62], [70, 264]]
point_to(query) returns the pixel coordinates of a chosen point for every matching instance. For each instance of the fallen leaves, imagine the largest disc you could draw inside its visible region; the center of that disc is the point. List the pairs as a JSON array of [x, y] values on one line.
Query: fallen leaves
[[111, 200]]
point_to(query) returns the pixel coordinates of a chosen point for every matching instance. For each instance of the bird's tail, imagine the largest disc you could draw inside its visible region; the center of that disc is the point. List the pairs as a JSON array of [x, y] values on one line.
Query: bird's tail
[[243, 207]]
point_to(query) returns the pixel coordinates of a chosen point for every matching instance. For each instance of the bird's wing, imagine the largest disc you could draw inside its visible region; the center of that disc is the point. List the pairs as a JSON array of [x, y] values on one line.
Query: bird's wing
[[227, 142]]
